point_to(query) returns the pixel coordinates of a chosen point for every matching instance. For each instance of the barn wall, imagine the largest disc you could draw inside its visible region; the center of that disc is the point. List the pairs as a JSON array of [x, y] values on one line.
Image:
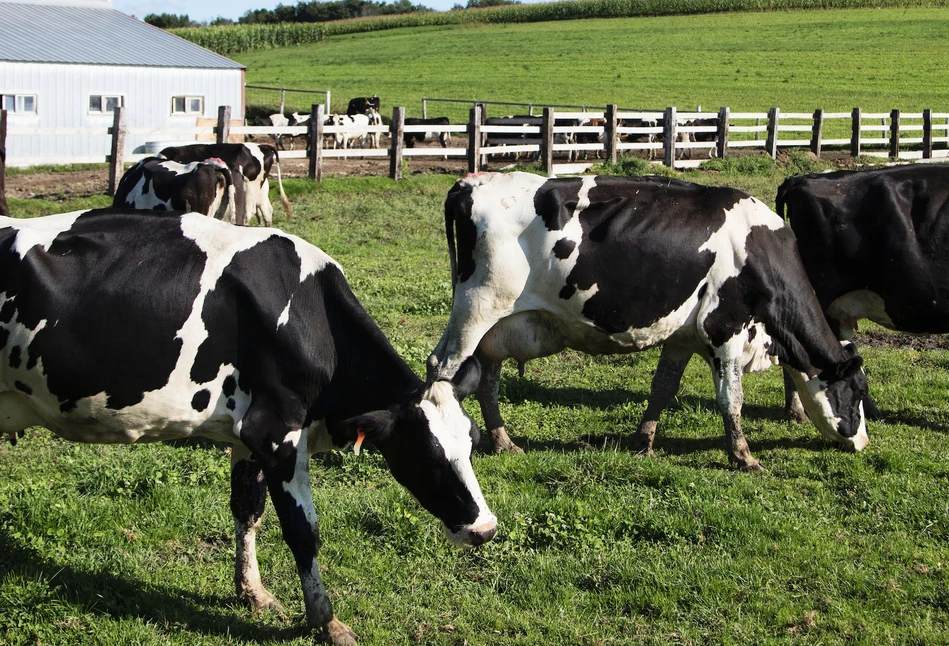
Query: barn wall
[[62, 101]]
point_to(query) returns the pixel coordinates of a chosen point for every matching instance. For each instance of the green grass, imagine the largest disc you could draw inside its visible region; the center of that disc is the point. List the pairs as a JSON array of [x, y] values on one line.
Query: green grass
[[877, 59], [133, 545]]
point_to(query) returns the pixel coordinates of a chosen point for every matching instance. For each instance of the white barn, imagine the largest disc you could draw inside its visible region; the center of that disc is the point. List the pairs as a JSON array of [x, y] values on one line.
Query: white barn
[[67, 64]]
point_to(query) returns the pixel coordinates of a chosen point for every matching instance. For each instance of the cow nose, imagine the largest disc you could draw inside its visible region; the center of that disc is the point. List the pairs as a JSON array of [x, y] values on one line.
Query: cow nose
[[481, 535]]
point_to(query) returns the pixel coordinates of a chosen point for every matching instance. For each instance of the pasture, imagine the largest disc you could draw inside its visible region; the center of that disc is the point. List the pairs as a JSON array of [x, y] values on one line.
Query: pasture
[[134, 545], [877, 59], [596, 546]]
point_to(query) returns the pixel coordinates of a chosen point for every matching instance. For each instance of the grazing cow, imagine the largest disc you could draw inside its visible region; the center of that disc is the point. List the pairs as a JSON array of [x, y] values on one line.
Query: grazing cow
[[253, 163], [641, 138], [614, 265], [362, 105], [874, 244], [442, 137], [159, 184], [101, 343]]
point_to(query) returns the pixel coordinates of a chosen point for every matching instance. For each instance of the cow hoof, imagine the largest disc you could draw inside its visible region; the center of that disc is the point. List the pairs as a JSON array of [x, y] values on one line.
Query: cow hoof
[[750, 466], [338, 634], [796, 415], [642, 444], [263, 600], [501, 443]]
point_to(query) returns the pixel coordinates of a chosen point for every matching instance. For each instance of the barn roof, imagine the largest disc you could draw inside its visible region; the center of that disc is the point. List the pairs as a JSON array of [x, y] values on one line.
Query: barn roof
[[94, 36]]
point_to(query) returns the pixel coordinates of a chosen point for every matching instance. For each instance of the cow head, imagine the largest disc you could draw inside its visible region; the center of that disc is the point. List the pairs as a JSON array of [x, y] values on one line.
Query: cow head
[[427, 444], [833, 400]]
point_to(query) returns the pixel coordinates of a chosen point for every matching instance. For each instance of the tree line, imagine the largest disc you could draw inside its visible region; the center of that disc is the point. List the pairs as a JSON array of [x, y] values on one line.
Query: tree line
[[314, 12]]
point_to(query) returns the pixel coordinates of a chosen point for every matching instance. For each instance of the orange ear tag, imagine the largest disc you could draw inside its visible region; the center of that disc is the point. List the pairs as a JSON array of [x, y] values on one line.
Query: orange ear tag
[[360, 436]]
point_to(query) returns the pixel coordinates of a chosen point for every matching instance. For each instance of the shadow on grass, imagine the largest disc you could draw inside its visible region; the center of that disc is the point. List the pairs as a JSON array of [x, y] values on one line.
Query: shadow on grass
[[931, 420], [119, 598]]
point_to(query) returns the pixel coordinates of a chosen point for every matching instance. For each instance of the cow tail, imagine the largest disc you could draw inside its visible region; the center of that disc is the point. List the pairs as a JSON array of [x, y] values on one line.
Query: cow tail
[[283, 196], [452, 253], [231, 213], [781, 198]]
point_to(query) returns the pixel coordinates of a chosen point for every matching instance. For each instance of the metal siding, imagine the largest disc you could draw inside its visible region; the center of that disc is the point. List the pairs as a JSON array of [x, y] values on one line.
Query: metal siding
[[63, 95], [60, 34]]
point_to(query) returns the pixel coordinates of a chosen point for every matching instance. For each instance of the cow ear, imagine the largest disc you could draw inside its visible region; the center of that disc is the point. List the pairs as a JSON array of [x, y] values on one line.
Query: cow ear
[[374, 427], [845, 369], [467, 378]]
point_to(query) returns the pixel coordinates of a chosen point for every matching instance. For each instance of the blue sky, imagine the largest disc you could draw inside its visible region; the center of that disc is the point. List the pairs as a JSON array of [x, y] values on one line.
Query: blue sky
[[210, 9]]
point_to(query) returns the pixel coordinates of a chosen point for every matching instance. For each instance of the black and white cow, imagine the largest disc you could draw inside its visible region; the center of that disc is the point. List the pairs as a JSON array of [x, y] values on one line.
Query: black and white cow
[[100, 342], [442, 137], [253, 162], [875, 244], [614, 265], [362, 105], [159, 184]]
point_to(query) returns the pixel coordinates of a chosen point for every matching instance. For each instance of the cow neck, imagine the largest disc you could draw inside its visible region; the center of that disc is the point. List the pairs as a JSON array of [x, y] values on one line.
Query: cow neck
[[368, 374]]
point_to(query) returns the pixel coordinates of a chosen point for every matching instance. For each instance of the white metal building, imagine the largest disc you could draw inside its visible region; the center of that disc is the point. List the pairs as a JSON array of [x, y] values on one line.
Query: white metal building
[[67, 64]]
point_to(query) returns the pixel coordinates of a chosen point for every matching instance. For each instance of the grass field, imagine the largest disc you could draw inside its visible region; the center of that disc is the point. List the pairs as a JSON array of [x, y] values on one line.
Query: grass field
[[875, 59], [134, 545]]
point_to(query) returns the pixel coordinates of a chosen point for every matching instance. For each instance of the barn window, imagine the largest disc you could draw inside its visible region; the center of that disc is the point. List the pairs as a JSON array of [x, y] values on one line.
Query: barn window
[[104, 103], [187, 105], [20, 103]]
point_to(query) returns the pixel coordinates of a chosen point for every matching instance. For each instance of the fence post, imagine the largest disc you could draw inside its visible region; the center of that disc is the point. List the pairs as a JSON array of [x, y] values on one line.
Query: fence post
[[118, 150], [771, 144], [724, 116], [547, 141], [425, 108], [669, 133], [818, 131], [4, 209], [283, 99], [895, 133], [396, 130], [928, 133], [611, 122], [223, 123], [314, 142], [474, 139], [855, 132]]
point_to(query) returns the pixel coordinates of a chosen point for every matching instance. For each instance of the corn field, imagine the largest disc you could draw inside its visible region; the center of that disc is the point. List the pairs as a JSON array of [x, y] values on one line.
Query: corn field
[[245, 38]]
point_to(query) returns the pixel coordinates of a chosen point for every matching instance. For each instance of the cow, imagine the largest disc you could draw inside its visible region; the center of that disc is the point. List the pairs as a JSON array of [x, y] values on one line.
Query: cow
[[277, 120], [101, 343], [156, 183], [362, 105], [253, 163], [351, 135], [641, 138], [616, 265], [874, 245], [442, 137]]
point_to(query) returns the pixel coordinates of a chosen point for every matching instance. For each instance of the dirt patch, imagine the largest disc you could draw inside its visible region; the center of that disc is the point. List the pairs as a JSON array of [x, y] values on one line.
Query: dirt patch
[[880, 338], [68, 185]]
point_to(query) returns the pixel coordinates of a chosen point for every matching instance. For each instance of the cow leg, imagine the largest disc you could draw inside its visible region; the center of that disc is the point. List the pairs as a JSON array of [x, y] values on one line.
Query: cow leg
[[727, 372], [248, 496], [288, 480], [665, 385], [497, 440], [792, 401], [264, 210]]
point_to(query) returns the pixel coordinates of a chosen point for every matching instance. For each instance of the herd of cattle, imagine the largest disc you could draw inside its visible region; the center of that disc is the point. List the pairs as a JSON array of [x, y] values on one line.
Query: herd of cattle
[[354, 130], [128, 325]]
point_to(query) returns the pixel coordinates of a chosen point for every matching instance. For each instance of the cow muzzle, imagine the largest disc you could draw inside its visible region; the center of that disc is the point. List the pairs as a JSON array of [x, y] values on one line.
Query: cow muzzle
[[474, 535]]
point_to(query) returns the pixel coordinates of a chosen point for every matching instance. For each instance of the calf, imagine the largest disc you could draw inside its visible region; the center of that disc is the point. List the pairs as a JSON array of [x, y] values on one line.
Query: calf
[[160, 184], [100, 342], [253, 163], [615, 265], [874, 245]]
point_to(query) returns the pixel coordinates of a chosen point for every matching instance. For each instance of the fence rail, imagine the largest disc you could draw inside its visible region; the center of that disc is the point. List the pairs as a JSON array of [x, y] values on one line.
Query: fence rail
[[674, 135]]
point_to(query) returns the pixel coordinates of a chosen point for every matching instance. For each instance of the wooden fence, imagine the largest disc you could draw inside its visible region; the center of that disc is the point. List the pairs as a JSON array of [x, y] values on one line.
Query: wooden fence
[[669, 137]]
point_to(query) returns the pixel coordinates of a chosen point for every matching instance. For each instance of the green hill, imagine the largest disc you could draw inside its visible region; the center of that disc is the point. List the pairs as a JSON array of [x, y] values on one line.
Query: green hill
[[877, 59]]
